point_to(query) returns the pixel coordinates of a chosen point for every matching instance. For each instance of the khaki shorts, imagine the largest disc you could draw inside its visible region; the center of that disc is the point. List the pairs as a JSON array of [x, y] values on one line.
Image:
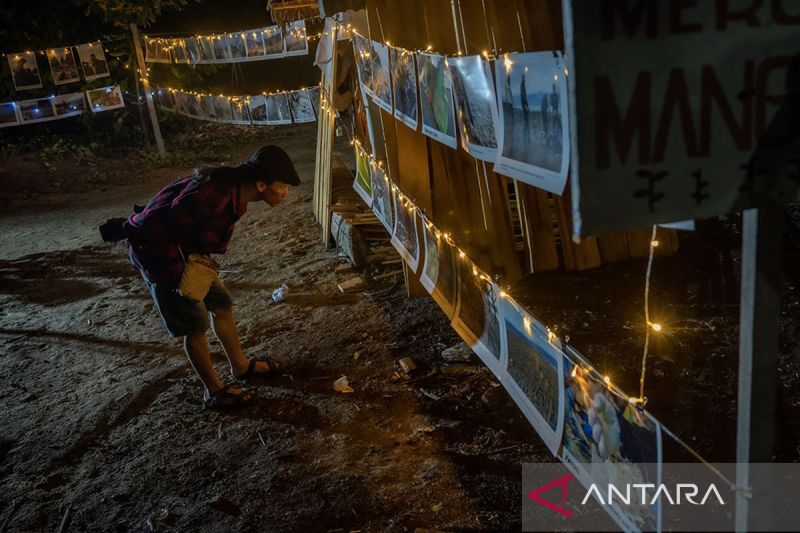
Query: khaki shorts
[[183, 316]]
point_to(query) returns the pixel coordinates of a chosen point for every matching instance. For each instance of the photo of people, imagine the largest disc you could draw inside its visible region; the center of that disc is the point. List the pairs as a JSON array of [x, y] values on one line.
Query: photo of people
[[254, 43], [436, 95], [380, 85], [404, 85], [381, 197], [62, 66], [301, 107], [405, 238], [222, 105], [362, 183], [93, 61], [478, 314], [36, 110], [238, 46], [278, 109], [206, 45], [607, 437], [273, 41], [533, 128], [8, 114], [192, 50], [296, 41], [68, 105], [258, 109], [439, 270], [207, 108], [534, 370], [105, 98], [476, 106], [241, 115], [222, 51], [24, 71]]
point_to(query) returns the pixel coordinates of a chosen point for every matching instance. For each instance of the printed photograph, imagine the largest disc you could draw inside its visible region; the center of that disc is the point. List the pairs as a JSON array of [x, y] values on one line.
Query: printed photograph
[[380, 84], [273, 41], [24, 71], [164, 98], [62, 66], [313, 94], [258, 109], [255, 43], [179, 52], [533, 144], [207, 108], [156, 51], [192, 49], [296, 42], [222, 51], [478, 314], [241, 115], [600, 429], [67, 105], [193, 105], [363, 54], [238, 46], [105, 98], [476, 106], [362, 183], [222, 105], [8, 114], [436, 96], [405, 238], [302, 109], [206, 45], [181, 103], [381, 197], [404, 85], [36, 110], [278, 109], [93, 61]]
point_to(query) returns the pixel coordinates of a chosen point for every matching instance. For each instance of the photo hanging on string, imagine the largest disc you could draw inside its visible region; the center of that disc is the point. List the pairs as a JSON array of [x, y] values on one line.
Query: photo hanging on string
[[105, 98], [405, 238], [93, 61], [258, 109], [69, 105], [179, 51], [380, 84], [436, 99], [313, 94], [478, 315], [381, 197], [222, 51], [207, 108], [24, 71], [476, 106], [9, 114], [206, 46], [439, 274], [296, 38], [278, 109], [362, 183], [36, 110], [254, 44], [241, 114], [404, 84], [192, 50], [302, 109], [533, 131], [273, 42], [222, 106], [62, 66], [238, 44]]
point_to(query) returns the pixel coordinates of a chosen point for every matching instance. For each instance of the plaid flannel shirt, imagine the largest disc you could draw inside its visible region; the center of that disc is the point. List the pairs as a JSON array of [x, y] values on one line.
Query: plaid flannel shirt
[[186, 215]]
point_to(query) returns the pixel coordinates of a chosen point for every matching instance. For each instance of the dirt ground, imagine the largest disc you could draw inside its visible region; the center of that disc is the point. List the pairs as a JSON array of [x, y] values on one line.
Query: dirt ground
[[102, 416]]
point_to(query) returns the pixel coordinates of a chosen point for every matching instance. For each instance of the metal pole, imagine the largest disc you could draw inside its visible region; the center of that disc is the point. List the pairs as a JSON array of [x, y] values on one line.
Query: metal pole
[[147, 94], [762, 237]]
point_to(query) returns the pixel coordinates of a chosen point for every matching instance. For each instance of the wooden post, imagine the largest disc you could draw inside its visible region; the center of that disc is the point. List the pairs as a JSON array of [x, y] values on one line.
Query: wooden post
[[137, 43], [762, 235]]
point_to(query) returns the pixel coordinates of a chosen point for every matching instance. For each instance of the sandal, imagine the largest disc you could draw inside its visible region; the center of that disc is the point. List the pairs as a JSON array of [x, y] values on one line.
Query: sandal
[[251, 369], [224, 398]]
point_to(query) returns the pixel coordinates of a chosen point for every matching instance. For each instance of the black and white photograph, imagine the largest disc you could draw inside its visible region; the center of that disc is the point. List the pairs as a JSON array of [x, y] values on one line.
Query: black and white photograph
[[193, 106], [179, 52], [313, 94], [295, 37], [380, 84], [9, 114], [476, 106], [36, 110], [222, 50], [404, 86], [254, 44], [92, 60], [241, 115], [439, 274], [156, 51], [222, 105], [164, 98], [436, 99], [207, 109], [181, 103], [193, 50], [238, 44], [381, 196], [258, 109], [105, 98], [533, 130], [206, 45], [24, 70], [273, 41], [62, 66], [478, 315], [362, 49], [69, 105], [278, 109], [302, 109], [405, 237]]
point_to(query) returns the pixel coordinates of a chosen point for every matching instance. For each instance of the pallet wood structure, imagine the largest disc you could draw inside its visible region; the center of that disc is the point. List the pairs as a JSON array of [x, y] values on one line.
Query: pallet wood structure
[[508, 228]]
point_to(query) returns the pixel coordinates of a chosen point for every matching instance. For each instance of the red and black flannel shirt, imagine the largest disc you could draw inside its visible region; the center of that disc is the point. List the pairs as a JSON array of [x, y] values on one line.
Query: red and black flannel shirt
[[195, 216]]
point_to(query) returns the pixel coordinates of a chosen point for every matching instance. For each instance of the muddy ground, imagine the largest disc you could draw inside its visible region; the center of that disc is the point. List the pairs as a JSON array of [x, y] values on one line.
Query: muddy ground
[[102, 416]]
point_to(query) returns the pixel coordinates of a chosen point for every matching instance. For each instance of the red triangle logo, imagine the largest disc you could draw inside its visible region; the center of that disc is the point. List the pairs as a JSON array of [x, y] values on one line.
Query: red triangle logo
[[562, 482]]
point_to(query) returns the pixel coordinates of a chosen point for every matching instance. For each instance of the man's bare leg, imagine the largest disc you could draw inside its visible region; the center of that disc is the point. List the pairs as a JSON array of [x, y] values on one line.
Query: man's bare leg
[[225, 329], [196, 347]]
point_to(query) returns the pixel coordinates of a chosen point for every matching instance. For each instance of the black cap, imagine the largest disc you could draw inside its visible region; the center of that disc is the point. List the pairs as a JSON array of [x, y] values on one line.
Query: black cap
[[271, 163]]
